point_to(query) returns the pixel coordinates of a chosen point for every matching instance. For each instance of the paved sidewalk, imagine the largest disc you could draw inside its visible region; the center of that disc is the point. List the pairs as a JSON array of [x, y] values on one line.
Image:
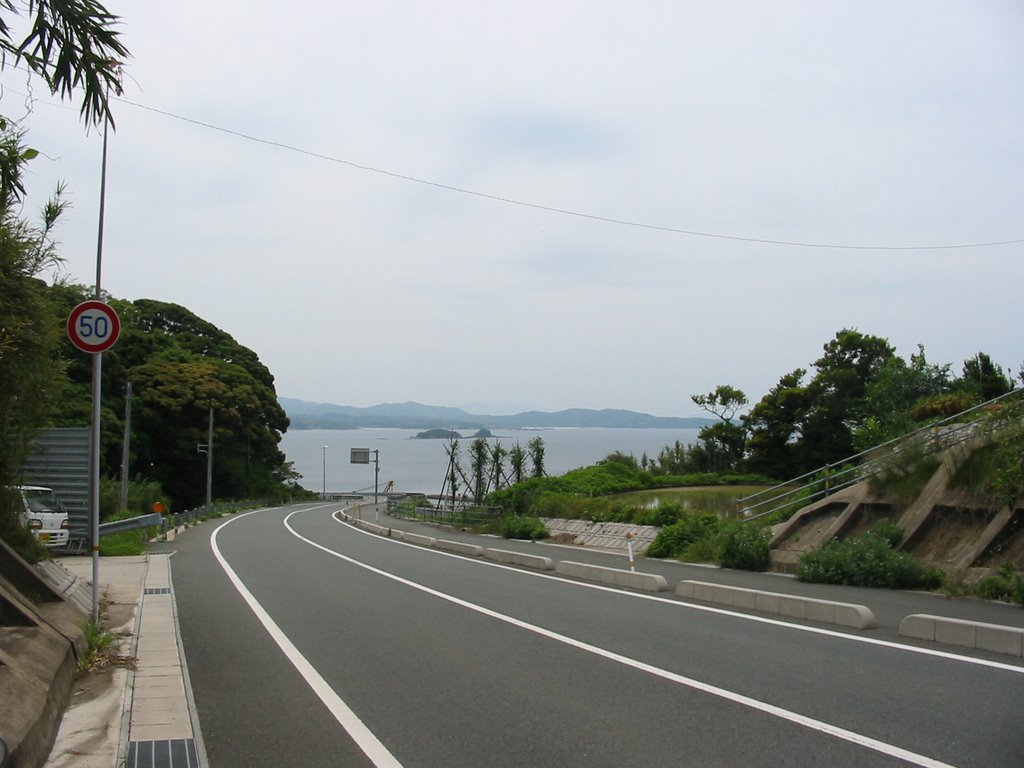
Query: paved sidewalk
[[132, 717]]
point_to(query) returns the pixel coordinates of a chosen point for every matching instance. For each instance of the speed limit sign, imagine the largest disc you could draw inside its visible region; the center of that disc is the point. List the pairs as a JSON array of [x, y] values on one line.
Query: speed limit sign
[[93, 326]]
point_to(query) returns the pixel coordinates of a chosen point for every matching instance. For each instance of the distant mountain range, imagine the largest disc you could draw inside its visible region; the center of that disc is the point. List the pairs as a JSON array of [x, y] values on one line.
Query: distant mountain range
[[306, 415]]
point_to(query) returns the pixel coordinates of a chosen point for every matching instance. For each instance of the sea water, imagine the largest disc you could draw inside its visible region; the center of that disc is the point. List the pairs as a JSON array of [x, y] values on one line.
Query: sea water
[[322, 456]]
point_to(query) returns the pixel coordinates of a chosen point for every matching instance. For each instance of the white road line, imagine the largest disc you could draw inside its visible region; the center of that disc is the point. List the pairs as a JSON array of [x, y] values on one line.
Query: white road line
[[370, 744], [946, 655], [783, 714]]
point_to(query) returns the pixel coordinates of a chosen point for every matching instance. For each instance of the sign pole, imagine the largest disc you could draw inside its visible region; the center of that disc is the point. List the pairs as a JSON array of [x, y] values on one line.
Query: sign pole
[[93, 327], [94, 481]]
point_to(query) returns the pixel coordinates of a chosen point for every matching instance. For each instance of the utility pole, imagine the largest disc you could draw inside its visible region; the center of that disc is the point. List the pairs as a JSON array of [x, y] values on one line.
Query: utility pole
[[209, 463], [126, 446], [207, 448]]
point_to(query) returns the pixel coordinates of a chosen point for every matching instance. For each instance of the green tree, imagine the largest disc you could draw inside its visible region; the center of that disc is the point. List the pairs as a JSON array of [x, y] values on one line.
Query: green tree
[[478, 459], [536, 450], [498, 455], [73, 46], [891, 398], [517, 458], [176, 398], [29, 329], [775, 424], [984, 379], [30, 371], [723, 401], [723, 443], [835, 396]]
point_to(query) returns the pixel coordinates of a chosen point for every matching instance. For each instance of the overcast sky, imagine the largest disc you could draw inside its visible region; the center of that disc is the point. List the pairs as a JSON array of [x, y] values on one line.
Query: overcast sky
[[840, 123]]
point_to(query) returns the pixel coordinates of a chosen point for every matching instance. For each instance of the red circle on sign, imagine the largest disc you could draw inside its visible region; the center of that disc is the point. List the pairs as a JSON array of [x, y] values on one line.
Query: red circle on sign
[[93, 326]]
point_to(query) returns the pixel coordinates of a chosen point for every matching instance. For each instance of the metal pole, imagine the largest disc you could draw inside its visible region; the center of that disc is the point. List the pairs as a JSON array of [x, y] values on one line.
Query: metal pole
[[376, 475], [126, 446], [209, 463], [323, 491], [94, 425]]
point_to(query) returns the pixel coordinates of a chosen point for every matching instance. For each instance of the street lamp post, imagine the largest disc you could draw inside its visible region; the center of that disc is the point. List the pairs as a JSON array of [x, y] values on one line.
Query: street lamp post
[[323, 492]]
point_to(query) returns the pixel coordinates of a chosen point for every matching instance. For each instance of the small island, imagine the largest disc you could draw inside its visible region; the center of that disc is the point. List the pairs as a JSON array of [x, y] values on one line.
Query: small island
[[449, 434]]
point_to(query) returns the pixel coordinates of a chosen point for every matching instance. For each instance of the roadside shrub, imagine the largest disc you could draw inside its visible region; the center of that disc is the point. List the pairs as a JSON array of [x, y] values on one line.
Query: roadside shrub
[[665, 514], [142, 494], [1005, 585], [520, 527], [674, 539], [942, 406], [868, 560], [745, 546]]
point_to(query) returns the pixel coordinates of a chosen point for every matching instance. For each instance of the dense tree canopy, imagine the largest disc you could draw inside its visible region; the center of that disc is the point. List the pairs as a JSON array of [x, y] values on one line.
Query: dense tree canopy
[[180, 366], [860, 394]]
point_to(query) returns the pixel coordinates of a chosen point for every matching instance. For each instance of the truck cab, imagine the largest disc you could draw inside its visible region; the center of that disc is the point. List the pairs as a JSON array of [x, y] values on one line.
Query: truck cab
[[44, 514]]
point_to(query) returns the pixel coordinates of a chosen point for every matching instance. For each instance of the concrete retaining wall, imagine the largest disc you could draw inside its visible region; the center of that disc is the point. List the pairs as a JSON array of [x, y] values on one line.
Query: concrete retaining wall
[[40, 641], [792, 606]]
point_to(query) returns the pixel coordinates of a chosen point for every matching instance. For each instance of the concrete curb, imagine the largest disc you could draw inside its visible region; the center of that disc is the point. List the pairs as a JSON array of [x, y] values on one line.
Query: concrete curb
[[966, 634], [649, 582], [791, 606]]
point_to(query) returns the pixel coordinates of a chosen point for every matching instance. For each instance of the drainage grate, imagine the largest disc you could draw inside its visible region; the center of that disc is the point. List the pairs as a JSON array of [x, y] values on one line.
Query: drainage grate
[[157, 591], [167, 753]]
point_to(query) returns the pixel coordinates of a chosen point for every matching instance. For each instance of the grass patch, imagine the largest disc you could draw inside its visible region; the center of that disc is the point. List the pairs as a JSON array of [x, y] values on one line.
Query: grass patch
[[102, 649], [719, 500], [908, 468]]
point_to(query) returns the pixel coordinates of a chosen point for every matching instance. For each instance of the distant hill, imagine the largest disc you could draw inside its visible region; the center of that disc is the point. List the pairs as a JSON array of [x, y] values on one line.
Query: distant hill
[[410, 415]]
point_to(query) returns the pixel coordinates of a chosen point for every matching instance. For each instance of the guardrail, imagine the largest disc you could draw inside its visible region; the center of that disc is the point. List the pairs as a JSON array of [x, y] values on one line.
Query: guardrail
[[463, 516], [154, 520]]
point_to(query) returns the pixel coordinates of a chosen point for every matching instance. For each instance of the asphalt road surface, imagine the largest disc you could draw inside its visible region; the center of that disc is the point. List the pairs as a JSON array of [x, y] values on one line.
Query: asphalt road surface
[[312, 643]]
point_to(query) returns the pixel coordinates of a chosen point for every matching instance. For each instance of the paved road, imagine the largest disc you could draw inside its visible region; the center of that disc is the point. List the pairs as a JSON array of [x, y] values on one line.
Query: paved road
[[398, 655]]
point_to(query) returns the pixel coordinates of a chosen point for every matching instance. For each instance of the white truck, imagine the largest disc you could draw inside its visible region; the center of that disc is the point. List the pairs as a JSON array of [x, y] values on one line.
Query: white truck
[[44, 515]]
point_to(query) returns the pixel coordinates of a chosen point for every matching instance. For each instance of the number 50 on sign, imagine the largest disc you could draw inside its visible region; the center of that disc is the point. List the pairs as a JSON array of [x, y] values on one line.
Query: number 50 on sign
[[93, 326]]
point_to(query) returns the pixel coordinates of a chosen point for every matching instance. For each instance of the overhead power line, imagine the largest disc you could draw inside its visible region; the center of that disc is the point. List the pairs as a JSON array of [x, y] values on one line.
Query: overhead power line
[[564, 211]]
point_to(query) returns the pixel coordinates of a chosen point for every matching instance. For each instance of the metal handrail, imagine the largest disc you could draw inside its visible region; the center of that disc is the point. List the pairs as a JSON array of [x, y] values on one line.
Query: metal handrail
[[940, 434]]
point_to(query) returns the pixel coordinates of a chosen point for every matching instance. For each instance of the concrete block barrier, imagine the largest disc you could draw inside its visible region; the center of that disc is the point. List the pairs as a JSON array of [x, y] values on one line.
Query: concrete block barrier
[[459, 547], [519, 558], [791, 606], [415, 538], [966, 634], [380, 530], [649, 582]]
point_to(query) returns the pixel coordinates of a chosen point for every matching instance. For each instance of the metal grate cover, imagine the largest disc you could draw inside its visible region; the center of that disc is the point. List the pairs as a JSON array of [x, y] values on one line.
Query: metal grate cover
[[168, 753]]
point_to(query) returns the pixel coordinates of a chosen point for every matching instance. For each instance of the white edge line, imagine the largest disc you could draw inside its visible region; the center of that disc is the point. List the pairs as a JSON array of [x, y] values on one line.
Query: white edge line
[[760, 706], [363, 737]]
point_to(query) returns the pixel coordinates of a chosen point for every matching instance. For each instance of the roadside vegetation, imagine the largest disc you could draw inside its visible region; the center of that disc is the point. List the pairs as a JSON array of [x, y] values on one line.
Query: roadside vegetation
[[868, 560], [861, 394], [181, 366]]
